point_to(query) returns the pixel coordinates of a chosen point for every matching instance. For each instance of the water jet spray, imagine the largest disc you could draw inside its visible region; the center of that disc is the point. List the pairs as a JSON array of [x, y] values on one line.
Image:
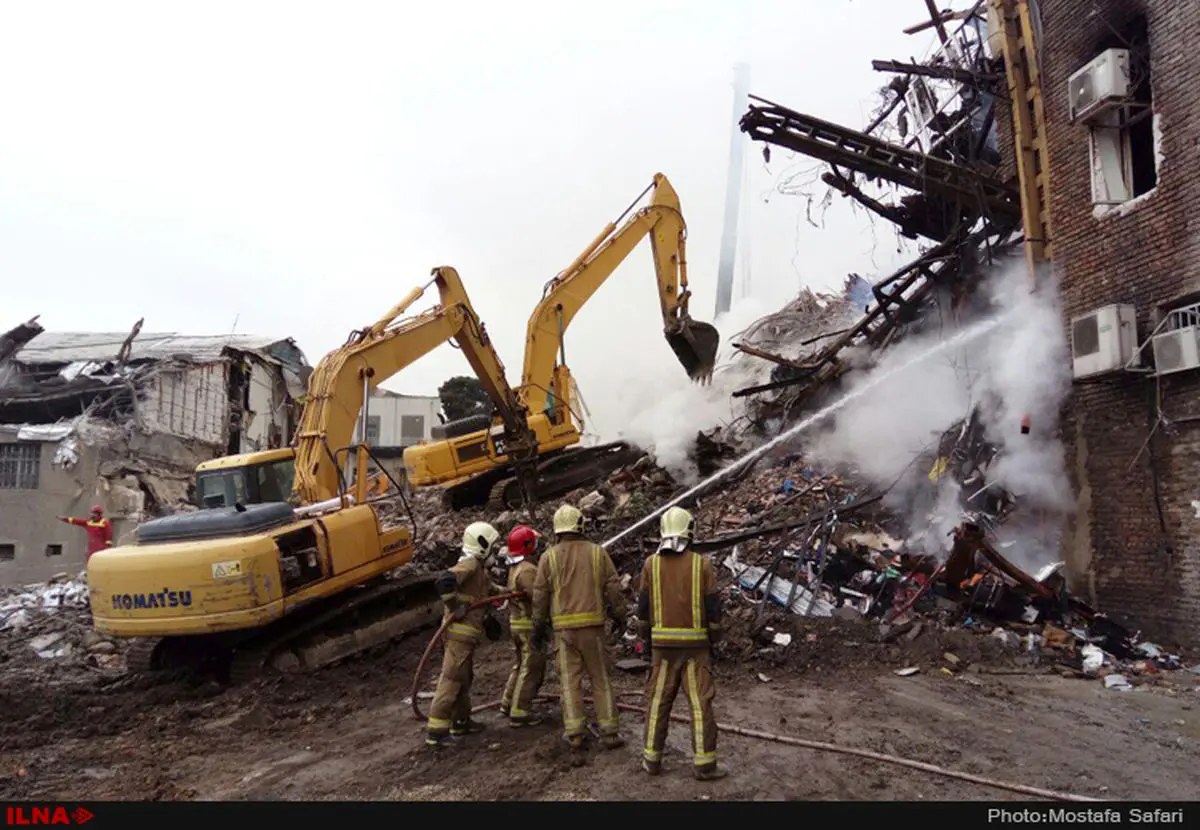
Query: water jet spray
[[965, 336]]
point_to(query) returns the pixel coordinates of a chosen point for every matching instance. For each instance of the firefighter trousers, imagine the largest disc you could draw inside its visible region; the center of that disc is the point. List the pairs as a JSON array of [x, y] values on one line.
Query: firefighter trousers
[[452, 700], [671, 668], [525, 678], [581, 651]]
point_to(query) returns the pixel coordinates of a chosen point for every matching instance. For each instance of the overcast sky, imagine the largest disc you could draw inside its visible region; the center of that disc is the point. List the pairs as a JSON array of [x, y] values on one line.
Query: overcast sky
[[298, 167]]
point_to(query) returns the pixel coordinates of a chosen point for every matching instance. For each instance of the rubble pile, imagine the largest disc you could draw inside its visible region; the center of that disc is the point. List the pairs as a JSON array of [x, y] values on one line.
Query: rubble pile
[[48, 626], [817, 573]]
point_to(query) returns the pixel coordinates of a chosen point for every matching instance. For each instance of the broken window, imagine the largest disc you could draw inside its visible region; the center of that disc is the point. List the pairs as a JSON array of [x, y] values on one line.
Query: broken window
[[19, 466], [412, 429], [1124, 155], [372, 429], [54, 550], [8, 552]]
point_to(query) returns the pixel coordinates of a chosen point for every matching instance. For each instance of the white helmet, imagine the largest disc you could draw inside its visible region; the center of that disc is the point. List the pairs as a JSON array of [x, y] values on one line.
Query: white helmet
[[479, 538], [677, 528]]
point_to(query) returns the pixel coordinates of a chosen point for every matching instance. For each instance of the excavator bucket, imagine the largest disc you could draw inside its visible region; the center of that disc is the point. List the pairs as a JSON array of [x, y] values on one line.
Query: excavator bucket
[[695, 344]]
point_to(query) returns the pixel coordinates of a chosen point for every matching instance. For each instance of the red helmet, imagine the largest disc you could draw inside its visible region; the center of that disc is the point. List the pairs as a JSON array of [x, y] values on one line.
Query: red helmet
[[522, 541], [97, 508]]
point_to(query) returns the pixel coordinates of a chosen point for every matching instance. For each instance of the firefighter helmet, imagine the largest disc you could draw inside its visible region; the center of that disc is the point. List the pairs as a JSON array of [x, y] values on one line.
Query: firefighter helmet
[[479, 538], [568, 519], [677, 523], [522, 541], [97, 509]]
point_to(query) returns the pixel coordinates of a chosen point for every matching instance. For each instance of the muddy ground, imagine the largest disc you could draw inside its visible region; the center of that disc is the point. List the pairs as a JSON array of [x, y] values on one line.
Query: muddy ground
[[345, 732]]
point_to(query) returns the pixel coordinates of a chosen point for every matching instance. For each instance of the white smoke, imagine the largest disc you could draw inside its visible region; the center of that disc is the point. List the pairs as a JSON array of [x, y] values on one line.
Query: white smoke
[[1021, 368], [643, 396]]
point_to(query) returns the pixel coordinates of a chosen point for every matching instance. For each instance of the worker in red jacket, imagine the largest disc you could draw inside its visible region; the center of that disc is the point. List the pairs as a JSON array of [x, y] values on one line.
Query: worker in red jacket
[[99, 529]]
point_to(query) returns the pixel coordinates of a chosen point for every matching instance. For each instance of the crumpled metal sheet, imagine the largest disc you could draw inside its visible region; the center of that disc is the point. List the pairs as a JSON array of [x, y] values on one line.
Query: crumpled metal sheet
[[780, 588], [45, 432]]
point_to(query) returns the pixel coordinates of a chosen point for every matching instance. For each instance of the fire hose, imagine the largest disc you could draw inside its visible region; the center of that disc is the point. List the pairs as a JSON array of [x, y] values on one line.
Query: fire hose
[[819, 746], [437, 638]]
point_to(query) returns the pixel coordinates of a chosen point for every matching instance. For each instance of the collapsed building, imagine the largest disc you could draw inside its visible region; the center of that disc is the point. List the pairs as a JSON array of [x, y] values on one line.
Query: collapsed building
[[122, 420], [1091, 129]]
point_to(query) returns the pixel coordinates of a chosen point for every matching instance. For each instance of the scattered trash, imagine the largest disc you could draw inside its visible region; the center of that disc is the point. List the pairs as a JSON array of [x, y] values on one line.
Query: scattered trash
[[952, 659], [763, 678], [782, 639], [1118, 682], [780, 590], [1007, 637], [1093, 659], [908, 672], [1149, 650]]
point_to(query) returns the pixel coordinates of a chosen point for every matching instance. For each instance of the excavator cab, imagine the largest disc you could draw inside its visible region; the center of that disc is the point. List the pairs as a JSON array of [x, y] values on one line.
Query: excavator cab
[[695, 345], [249, 478]]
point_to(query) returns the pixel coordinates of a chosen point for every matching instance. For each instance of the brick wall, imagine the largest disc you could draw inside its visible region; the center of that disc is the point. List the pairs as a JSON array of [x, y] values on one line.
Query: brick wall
[[1118, 551]]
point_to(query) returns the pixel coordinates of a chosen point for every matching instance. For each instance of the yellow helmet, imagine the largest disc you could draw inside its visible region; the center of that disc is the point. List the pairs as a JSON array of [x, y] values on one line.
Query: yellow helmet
[[479, 538], [568, 519], [677, 523]]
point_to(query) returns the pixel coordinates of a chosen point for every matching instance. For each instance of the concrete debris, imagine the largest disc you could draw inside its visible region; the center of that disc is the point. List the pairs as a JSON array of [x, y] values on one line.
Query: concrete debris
[[46, 627]]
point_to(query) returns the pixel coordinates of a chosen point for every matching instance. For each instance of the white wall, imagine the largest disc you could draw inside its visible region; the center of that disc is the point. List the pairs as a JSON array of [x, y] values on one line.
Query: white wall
[[391, 410], [268, 406], [190, 403]]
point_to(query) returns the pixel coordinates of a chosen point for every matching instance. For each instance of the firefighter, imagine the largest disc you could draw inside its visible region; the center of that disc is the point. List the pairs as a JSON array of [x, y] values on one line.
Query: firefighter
[[529, 667], [679, 612], [99, 529], [574, 578], [460, 586]]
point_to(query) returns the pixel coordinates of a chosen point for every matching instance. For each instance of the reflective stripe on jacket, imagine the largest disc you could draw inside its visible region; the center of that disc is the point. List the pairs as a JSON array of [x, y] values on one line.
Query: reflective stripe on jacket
[[99, 533], [679, 587], [473, 585], [521, 577], [574, 578]]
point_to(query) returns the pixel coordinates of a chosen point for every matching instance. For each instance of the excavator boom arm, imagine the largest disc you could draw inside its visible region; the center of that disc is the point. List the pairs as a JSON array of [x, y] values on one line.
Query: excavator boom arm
[[339, 383], [695, 344]]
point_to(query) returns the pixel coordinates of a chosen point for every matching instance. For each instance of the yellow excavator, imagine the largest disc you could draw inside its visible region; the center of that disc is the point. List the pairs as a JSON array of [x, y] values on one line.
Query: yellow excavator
[[475, 466], [303, 582]]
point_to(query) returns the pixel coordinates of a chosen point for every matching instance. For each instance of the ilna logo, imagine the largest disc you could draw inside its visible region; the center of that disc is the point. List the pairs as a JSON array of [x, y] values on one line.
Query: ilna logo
[[47, 815]]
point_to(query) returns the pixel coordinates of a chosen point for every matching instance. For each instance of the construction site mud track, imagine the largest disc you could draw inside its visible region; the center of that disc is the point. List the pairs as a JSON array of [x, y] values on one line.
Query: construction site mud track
[[348, 733]]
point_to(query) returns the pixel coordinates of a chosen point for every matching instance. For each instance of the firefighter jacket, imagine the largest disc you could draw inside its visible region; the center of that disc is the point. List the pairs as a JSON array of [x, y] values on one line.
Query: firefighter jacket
[[574, 578], [678, 598], [99, 533], [521, 577], [461, 585]]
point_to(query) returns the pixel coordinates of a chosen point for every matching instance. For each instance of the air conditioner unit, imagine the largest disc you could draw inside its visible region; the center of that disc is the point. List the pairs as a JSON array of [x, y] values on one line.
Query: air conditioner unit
[[1176, 351], [1104, 341], [1100, 86]]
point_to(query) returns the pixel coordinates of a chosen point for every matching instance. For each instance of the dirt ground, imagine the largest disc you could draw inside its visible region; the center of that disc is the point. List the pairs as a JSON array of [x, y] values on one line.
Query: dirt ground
[[346, 732]]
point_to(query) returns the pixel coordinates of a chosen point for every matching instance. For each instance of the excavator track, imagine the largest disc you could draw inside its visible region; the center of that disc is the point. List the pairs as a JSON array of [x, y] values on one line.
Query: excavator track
[[565, 472], [308, 639]]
